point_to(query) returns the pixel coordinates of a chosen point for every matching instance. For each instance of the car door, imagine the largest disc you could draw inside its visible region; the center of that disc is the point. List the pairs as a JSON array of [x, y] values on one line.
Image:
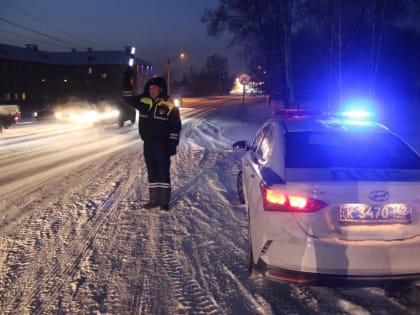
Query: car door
[[250, 168], [258, 156]]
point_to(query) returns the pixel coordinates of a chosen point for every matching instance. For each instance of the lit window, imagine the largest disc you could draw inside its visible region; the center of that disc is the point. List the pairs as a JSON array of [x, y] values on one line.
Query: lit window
[[23, 96], [104, 75], [90, 70]]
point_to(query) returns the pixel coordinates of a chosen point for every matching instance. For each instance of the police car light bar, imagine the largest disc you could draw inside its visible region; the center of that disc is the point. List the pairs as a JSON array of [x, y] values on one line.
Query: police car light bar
[[362, 109], [357, 114], [295, 113], [348, 115], [356, 117]]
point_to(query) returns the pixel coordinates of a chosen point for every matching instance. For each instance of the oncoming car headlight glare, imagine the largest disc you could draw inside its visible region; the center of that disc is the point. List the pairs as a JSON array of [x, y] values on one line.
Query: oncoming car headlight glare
[[89, 116]]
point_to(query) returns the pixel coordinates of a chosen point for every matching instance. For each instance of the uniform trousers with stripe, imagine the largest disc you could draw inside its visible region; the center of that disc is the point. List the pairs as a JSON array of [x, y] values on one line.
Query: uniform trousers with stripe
[[158, 163]]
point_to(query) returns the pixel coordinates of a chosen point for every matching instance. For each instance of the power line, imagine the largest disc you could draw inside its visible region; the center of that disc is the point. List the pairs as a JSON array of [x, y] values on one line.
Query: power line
[[22, 37], [36, 32], [46, 23]]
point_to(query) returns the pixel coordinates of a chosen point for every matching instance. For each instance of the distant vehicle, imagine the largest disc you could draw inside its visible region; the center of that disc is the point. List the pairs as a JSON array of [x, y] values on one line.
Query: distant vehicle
[[82, 112], [126, 112], [330, 201], [44, 113], [86, 113], [9, 115], [177, 99]]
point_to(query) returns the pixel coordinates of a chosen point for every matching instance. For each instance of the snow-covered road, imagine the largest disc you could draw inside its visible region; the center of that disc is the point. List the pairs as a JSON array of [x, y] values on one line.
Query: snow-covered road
[[74, 239]]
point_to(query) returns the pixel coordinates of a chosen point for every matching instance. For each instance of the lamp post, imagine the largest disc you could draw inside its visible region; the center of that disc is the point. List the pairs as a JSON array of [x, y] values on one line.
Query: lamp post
[[168, 70]]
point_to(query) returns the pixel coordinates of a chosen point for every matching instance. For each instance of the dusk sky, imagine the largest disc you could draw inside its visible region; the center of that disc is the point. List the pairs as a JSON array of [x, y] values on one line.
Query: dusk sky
[[160, 29]]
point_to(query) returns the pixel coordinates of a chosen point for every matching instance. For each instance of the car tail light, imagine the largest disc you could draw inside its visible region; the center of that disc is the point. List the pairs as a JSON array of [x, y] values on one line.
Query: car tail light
[[281, 201], [278, 276]]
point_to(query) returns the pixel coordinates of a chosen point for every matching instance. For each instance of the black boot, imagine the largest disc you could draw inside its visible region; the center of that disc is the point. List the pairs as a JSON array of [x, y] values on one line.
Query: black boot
[[165, 197], [154, 197]]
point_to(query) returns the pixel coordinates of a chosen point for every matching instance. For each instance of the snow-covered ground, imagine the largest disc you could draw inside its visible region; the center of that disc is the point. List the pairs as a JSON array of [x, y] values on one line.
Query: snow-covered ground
[[75, 240]]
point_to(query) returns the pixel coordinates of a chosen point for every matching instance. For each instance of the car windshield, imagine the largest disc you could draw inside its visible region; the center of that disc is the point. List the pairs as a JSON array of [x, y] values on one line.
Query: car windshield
[[348, 149]]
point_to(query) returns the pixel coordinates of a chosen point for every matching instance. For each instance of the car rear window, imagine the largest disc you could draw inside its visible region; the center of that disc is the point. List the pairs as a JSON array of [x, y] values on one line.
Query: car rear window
[[348, 149]]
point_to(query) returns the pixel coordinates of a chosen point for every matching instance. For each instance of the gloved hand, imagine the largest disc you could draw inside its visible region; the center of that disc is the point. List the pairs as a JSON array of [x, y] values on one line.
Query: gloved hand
[[172, 149]]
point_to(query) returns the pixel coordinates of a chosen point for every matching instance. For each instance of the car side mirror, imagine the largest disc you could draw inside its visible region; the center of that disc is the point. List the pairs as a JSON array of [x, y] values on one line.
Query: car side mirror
[[241, 145]]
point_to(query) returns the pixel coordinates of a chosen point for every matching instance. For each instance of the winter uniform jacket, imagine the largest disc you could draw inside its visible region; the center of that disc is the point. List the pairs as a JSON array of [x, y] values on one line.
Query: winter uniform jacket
[[159, 119]]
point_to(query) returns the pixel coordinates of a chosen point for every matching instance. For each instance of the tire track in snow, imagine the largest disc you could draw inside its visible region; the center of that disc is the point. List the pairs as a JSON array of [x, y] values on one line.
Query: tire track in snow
[[145, 298], [193, 299], [56, 276], [379, 295]]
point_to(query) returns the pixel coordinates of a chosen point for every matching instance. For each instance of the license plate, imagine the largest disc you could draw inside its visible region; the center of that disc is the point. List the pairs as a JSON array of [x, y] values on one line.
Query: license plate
[[375, 214]]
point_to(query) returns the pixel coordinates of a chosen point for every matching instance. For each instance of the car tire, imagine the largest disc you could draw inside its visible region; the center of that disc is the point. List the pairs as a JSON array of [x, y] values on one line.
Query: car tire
[[240, 187]]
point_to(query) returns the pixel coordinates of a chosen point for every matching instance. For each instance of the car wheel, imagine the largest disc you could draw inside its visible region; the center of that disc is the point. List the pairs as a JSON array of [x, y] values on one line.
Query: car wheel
[[240, 187], [251, 264]]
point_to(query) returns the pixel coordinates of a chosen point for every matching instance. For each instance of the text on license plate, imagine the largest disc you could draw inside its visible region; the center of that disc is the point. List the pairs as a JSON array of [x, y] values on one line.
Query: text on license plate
[[357, 213]]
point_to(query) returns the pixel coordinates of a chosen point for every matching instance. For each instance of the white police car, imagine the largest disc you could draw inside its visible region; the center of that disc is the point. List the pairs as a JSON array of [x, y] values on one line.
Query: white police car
[[331, 200]]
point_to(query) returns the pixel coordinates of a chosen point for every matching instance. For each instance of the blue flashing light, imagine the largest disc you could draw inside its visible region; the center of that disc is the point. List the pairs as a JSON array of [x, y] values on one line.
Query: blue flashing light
[[358, 122], [358, 110], [357, 114]]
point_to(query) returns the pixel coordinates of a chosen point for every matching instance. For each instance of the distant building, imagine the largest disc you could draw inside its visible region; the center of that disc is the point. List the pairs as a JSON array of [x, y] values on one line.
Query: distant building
[[32, 78]]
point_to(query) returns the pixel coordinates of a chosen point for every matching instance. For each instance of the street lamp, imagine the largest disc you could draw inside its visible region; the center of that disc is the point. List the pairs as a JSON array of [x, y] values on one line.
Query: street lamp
[[168, 70]]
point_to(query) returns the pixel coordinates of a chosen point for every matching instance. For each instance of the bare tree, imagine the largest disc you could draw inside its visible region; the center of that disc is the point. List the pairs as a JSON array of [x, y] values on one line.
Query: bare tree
[[217, 69], [262, 28], [352, 32], [347, 37]]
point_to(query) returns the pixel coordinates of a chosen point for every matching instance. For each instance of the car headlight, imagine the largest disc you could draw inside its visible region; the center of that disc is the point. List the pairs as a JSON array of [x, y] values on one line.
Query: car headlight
[[110, 114]]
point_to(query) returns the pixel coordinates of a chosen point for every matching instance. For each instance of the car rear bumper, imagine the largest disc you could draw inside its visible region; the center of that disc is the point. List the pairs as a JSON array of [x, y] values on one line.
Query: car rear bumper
[[336, 280], [317, 261]]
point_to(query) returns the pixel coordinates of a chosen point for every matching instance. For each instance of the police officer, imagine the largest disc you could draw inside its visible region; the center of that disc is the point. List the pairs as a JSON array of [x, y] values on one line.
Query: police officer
[[159, 128]]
